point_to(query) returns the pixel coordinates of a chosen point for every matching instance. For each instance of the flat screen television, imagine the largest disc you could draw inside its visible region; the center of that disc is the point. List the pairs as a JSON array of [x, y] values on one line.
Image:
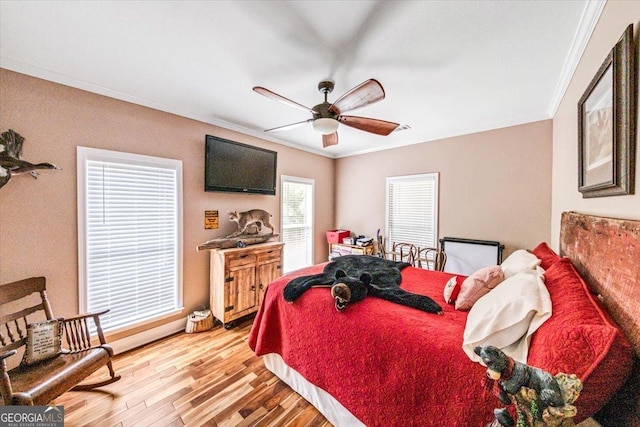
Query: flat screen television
[[238, 168]]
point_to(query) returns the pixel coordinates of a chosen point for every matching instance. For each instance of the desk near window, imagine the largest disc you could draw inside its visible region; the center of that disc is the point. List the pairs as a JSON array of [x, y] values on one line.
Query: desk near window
[[340, 249]]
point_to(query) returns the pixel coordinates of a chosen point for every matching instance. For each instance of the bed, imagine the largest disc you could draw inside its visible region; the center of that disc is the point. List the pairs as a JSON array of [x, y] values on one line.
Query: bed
[[381, 364]]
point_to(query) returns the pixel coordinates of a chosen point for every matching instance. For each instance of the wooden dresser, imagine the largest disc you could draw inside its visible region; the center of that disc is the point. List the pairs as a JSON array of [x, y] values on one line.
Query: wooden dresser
[[239, 278]]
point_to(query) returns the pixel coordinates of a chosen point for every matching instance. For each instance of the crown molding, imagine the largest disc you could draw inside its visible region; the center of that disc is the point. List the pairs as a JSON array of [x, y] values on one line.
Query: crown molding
[[52, 76], [588, 21]]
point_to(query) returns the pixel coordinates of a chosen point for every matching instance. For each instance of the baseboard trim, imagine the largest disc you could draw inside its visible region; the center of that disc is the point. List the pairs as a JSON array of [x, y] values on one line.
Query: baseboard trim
[[142, 338]]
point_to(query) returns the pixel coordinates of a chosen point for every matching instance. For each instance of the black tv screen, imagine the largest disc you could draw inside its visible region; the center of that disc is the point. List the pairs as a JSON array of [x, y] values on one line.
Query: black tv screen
[[238, 168]]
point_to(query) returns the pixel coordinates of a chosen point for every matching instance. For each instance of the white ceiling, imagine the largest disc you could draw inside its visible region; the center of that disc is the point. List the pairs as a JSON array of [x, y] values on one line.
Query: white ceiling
[[448, 67]]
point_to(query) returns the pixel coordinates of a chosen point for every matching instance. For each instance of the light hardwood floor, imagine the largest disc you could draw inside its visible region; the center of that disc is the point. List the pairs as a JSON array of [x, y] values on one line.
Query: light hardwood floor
[[209, 378]]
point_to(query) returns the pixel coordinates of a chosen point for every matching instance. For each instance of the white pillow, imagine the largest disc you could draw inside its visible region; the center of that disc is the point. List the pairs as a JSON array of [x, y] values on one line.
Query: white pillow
[[507, 316], [451, 290], [518, 261]]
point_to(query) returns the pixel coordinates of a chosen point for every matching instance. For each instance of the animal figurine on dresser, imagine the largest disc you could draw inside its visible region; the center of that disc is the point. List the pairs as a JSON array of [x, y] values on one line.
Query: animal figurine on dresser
[[11, 162], [252, 218], [540, 398], [353, 277]]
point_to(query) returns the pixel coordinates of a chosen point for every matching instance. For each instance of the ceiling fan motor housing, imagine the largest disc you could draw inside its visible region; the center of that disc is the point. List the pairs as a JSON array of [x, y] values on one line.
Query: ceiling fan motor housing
[[321, 111], [326, 86]]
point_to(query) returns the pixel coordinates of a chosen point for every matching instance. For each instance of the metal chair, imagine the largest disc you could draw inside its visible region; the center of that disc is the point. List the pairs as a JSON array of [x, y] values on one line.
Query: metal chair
[[405, 252], [431, 259]]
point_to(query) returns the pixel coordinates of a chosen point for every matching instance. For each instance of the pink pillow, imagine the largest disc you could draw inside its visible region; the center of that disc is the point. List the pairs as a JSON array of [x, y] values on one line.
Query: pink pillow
[[546, 255], [478, 285]]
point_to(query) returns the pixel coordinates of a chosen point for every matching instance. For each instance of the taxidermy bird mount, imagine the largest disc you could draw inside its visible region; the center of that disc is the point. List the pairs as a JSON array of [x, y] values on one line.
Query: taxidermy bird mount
[[10, 158], [327, 116]]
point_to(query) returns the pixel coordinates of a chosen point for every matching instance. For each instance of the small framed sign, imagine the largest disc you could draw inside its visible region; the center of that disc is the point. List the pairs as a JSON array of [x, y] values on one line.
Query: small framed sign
[[210, 220]]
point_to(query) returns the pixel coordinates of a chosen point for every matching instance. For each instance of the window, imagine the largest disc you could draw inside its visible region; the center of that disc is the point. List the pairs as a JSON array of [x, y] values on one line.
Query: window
[[297, 222], [412, 210], [129, 236]]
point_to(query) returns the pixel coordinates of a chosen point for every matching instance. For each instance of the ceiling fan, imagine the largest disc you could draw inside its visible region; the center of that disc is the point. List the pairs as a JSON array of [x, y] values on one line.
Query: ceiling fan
[[327, 116]]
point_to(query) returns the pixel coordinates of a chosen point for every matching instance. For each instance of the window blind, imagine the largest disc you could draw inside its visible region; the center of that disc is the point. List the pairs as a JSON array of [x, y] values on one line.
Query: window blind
[[132, 238], [297, 222], [412, 207]]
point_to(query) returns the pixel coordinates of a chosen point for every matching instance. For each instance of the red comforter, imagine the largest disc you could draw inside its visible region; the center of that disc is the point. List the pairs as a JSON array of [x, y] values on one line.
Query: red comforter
[[392, 365], [387, 364]]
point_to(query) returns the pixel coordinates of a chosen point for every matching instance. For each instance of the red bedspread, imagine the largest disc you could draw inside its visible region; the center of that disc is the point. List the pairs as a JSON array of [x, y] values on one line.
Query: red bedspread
[[387, 364], [392, 365]]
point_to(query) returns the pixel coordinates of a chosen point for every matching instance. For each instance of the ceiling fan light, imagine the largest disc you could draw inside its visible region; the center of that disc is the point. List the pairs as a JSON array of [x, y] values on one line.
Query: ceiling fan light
[[325, 126]]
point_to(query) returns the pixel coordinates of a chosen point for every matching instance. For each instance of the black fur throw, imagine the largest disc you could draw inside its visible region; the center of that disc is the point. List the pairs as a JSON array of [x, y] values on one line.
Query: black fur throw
[[353, 277]]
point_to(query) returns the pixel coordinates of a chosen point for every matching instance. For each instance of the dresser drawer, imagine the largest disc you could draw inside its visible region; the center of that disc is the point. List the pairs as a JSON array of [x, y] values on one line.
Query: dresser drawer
[[270, 255], [238, 260]]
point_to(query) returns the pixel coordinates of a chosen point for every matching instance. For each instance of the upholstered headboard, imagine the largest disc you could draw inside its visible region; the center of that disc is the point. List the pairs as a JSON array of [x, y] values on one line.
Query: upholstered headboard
[[606, 252]]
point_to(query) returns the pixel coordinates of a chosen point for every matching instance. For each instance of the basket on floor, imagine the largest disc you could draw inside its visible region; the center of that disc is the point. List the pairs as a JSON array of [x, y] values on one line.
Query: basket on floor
[[199, 321]]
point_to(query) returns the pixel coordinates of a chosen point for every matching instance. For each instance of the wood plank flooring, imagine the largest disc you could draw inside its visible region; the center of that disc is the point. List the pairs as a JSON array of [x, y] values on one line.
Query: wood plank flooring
[[205, 379]]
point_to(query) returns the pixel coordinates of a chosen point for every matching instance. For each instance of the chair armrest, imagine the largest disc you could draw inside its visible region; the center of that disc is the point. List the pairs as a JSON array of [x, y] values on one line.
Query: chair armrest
[[77, 331], [7, 354], [86, 315]]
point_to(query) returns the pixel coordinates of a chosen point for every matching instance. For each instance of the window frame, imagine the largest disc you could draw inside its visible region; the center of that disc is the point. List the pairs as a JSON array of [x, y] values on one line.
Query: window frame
[[308, 181], [435, 176], [86, 154]]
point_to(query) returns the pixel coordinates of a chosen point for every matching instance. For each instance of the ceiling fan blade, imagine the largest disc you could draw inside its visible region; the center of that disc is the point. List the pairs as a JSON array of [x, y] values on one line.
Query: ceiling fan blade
[[330, 139], [272, 95], [366, 93], [289, 127], [377, 126]]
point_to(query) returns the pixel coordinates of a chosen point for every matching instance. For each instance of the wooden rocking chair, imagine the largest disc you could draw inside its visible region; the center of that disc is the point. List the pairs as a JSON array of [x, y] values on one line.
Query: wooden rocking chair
[[43, 381]]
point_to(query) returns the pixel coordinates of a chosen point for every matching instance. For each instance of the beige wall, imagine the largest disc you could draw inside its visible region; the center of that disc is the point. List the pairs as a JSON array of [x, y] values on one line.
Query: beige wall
[[613, 21], [494, 185], [38, 218]]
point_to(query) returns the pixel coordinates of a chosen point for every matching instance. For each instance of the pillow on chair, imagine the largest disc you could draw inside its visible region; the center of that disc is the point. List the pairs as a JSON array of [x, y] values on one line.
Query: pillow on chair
[[44, 341]]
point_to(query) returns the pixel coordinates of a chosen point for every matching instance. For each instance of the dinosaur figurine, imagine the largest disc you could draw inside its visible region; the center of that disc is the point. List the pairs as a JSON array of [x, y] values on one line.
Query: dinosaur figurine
[[11, 162]]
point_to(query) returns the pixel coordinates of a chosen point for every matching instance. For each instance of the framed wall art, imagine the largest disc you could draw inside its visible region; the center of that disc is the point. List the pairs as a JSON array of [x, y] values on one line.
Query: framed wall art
[[606, 125]]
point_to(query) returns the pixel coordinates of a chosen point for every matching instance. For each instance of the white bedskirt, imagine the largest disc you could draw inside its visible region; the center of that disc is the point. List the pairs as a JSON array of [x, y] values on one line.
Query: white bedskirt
[[332, 410]]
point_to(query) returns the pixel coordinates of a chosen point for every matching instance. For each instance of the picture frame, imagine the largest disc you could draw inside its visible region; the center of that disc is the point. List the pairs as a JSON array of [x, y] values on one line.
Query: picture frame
[[607, 125]]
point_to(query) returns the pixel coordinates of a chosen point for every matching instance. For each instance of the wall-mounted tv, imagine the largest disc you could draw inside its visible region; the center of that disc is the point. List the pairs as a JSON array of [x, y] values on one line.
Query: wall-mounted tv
[[238, 168]]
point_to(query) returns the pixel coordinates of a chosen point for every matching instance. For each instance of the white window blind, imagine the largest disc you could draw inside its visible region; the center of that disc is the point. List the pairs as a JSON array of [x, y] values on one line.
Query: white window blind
[[412, 210], [130, 232], [297, 222]]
